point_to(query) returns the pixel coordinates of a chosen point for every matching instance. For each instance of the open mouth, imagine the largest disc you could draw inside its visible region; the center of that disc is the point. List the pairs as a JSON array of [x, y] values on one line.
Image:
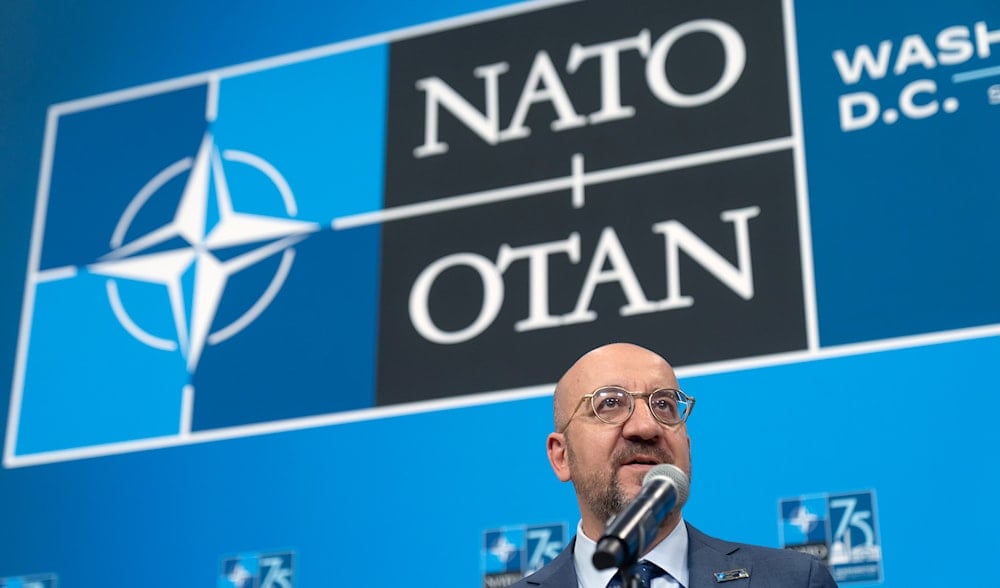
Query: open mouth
[[641, 461]]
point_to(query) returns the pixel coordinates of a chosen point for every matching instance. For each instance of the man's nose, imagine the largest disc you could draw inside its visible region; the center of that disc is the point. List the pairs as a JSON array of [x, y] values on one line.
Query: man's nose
[[641, 424]]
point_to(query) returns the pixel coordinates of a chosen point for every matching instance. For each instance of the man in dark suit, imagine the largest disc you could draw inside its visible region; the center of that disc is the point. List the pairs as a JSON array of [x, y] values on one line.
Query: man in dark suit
[[618, 412]]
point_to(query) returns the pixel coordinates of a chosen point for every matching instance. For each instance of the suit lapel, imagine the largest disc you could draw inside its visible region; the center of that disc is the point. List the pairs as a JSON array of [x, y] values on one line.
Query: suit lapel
[[708, 556], [561, 573]]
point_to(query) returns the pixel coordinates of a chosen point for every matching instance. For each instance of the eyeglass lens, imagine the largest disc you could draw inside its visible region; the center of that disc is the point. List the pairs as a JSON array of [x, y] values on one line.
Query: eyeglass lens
[[614, 405]]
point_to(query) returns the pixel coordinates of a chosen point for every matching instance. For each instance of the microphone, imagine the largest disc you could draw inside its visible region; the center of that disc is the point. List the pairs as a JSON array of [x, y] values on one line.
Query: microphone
[[629, 533]]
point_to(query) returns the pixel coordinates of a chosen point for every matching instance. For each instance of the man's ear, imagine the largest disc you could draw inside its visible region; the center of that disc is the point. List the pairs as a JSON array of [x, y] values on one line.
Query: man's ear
[[556, 448]]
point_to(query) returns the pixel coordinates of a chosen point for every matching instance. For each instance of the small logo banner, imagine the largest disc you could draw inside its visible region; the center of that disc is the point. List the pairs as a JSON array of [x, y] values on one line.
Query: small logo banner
[[258, 570], [839, 529], [510, 553]]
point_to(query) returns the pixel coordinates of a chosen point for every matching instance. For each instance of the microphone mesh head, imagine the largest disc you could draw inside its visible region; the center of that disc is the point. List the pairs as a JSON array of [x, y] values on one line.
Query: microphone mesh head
[[675, 475]]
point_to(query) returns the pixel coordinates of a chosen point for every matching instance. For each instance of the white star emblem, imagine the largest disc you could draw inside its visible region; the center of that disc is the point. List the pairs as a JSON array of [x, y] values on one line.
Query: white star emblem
[[135, 261], [239, 575], [503, 550], [803, 519]]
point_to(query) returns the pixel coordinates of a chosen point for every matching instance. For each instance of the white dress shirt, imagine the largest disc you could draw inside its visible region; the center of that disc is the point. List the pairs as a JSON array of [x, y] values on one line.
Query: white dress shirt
[[670, 554]]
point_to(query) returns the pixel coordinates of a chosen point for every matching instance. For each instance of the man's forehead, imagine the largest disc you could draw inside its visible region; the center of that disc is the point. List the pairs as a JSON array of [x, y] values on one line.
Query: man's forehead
[[620, 364]]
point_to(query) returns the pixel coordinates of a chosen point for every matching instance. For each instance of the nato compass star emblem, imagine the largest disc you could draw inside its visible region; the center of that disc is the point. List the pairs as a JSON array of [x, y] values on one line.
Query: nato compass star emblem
[[183, 255], [804, 520], [503, 549], [239, 576]]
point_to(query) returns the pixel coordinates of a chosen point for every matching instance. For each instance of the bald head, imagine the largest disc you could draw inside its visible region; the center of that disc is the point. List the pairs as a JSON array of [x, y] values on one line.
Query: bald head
[[607, 462], [623, 364]]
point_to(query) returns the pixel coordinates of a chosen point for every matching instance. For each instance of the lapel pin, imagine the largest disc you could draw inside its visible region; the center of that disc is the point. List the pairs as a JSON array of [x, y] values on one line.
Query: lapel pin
[[731, 575]]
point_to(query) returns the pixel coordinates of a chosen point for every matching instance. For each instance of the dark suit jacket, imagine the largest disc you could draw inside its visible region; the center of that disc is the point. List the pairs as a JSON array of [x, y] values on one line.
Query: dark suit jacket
[[768, 567]]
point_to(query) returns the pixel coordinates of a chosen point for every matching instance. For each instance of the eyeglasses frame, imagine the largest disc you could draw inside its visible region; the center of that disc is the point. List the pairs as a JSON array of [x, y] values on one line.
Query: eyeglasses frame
[[634, 395]]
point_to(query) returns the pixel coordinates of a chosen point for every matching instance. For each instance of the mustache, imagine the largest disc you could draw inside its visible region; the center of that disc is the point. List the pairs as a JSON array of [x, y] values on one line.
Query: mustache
[[633, 450]]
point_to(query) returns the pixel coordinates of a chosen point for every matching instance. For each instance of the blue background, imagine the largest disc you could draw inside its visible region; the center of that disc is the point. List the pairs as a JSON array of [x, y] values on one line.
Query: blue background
[[905, 242]]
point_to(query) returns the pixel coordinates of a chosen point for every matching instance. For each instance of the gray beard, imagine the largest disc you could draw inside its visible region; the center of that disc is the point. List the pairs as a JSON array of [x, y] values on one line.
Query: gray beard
[[609, 500], [604, 497]]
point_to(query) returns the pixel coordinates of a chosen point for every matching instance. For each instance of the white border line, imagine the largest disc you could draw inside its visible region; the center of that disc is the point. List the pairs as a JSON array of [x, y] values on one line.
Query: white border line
[[574, 182], [216, 75], [833, 352], [30, 286], [187, 410], [284, 426], [495, 397], [801, 182], [55, 274], [976, 74]]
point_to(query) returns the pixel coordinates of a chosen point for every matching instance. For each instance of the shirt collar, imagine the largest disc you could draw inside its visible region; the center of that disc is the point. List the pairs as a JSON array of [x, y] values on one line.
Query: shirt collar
[[670, 554]]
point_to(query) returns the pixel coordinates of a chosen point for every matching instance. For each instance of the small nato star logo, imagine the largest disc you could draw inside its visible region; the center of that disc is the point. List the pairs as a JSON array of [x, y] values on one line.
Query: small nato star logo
[[239, 576], [804, 520], [503, 549]]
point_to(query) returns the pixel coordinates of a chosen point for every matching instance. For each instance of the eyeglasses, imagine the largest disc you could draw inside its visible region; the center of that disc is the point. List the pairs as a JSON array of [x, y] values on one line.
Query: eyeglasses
[[614, 405]]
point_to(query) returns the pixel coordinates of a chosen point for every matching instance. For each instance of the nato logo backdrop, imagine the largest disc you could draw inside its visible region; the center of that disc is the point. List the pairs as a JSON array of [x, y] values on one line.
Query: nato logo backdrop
[[185, 275]]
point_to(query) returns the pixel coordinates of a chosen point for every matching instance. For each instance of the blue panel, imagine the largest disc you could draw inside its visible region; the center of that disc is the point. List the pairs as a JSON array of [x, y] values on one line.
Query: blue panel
[[289, 363], [897, 422], [103, 158], [903, 220], [321, 123], [85, 381]]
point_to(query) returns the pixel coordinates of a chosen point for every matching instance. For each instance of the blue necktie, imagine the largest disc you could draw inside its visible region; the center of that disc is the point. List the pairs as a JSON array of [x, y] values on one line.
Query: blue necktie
[[646, 571]]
